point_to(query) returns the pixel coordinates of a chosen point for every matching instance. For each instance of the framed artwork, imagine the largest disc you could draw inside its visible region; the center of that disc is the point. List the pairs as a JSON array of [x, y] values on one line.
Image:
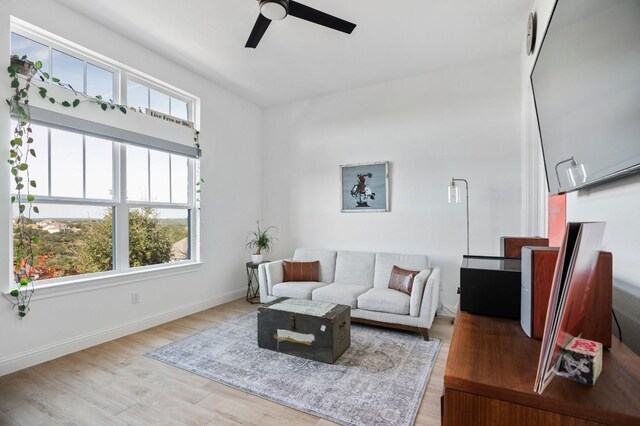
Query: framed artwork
[[365, 187]]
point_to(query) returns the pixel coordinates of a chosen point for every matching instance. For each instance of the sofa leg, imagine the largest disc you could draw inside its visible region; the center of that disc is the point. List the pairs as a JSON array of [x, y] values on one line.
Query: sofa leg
[[424, 332]]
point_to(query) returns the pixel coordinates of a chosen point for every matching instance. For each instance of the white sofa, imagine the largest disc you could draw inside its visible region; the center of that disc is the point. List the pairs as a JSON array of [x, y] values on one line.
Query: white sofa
[[360, 280]]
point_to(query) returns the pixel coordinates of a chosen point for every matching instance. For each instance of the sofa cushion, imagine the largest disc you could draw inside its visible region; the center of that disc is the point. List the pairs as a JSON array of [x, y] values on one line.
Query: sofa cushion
[[296, 289], [402, 279], [343, 294], [385, 300], [301, 271], [327, 259], [386, 261], [355, 268]]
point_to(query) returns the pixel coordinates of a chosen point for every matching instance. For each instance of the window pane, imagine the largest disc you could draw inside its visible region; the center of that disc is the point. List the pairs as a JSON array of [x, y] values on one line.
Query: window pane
[[159, 101], [137, 95], [179, 179], [137, 173], [35, 51], [68, 69], [99, 167], [99, 82], [160, 183], [66, 164], [179, 109], [74, 240], [158, 236], [38, 165]]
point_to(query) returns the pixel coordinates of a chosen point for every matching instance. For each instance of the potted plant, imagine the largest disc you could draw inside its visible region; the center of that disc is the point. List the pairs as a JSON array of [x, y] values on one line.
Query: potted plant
[[260, 242], [23, 66]]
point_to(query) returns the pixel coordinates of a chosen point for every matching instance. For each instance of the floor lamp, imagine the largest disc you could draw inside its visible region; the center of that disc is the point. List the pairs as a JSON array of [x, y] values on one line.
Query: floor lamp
[[454, 197]]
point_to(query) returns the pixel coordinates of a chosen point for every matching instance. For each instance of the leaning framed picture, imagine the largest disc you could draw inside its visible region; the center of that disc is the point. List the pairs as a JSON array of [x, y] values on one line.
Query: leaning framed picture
[[365, 187]]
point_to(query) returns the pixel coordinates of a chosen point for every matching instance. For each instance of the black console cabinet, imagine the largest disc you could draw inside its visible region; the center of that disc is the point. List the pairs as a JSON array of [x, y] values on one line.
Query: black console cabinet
[[490, 286]]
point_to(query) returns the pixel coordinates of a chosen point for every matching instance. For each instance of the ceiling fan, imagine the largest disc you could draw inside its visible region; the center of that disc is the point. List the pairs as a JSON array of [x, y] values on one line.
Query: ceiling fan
[[277, 10]]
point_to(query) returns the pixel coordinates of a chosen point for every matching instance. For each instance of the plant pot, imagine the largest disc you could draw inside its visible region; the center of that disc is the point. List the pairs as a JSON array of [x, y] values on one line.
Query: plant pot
[[26, 67], [257, 258]]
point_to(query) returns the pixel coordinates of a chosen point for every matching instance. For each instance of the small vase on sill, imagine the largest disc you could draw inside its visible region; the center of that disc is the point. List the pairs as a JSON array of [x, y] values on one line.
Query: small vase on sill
[[257, 258]]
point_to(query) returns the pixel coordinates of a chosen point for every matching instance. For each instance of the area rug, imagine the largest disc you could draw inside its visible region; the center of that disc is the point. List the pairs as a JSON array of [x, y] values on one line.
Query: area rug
[[379, 380]]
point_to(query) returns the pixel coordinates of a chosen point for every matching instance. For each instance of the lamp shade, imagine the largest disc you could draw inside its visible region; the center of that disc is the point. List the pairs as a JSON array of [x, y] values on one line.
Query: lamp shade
[[454, 193], [275, 10], [577, 174]]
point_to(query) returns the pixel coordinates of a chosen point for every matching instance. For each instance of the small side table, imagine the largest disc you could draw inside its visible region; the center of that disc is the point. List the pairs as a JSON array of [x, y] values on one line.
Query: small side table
[[252, 276]]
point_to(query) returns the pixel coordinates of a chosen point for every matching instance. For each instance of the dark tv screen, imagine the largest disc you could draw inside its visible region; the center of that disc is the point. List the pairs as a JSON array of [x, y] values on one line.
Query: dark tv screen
[[586, 84]]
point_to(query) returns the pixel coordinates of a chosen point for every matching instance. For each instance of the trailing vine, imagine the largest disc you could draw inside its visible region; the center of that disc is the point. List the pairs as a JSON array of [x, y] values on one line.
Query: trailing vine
[[196, 140], [24, 76]]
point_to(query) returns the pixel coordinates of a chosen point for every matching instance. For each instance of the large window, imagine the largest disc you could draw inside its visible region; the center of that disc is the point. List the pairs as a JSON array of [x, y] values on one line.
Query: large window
[[80, 206], [106, 206]]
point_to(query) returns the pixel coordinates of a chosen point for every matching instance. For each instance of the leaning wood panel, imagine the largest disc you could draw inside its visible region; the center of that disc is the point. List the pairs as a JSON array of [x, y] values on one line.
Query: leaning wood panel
[[597, 325], [544, 265], [512, 246]]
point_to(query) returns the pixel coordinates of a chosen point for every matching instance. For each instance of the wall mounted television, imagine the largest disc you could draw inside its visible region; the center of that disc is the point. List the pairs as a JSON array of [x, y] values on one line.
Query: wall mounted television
[[586, 85]]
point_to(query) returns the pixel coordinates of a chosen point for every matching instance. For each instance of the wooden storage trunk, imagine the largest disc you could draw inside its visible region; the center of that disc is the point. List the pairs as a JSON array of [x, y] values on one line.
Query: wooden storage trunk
[[313, 330]]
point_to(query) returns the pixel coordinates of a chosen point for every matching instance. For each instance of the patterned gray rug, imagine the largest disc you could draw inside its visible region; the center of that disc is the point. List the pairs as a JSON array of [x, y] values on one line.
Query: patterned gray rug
[[379, 380]]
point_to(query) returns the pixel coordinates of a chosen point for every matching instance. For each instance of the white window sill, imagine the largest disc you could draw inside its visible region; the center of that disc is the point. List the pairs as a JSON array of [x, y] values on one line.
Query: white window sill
[[79, 285]]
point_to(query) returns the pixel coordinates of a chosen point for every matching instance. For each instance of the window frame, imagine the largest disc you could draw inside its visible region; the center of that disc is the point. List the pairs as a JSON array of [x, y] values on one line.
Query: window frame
[[151, 85], [122, 210], [119, 203], [121, 72], [121, 207], [27, 31]]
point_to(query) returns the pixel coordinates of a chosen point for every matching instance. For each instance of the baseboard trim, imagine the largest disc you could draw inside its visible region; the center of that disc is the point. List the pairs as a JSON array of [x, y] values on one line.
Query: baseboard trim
[[42, 354]]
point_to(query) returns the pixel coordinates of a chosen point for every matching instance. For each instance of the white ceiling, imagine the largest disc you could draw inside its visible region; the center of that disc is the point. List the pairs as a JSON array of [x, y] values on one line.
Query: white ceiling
[[297, 59]]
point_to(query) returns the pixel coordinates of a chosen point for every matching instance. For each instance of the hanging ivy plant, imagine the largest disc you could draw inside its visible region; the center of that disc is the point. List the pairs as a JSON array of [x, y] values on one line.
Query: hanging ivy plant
[[24, 76]]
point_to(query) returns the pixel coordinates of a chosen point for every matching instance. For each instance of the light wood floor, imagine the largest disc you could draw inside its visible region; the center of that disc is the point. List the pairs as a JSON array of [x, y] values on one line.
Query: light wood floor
[[115, 384]]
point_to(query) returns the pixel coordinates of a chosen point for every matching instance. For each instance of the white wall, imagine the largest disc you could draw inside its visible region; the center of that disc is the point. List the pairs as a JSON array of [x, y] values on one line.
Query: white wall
[[461, 122], [616, 203], [230, 137]]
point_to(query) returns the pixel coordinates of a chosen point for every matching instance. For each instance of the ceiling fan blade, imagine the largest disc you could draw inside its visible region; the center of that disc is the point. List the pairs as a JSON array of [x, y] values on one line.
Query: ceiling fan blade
[[259, 28], [312, 15]]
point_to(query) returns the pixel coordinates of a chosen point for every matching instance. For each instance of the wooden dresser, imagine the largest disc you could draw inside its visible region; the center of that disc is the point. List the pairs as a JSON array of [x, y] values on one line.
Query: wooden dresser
[[491, 371]]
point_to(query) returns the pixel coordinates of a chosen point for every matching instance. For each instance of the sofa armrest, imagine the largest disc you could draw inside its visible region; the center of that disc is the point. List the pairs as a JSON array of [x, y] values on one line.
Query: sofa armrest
[[262, 283], [417, 291], [430, 298], [269, 274]]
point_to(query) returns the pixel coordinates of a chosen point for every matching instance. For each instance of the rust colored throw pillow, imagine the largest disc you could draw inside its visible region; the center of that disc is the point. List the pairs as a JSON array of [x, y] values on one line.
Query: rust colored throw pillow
[[402, 279], [301, 271]]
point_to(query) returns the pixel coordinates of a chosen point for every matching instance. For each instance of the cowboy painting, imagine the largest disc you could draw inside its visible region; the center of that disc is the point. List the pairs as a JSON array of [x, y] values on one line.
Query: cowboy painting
[[361, 192], [364, 187]]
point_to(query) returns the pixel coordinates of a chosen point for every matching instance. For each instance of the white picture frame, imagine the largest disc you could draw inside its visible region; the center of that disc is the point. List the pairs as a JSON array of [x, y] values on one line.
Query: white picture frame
[[364, 187]]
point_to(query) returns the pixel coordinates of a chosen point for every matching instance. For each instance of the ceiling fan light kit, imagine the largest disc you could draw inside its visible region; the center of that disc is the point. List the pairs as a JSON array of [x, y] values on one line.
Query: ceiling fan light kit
[[274, 10], [277, 10]]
